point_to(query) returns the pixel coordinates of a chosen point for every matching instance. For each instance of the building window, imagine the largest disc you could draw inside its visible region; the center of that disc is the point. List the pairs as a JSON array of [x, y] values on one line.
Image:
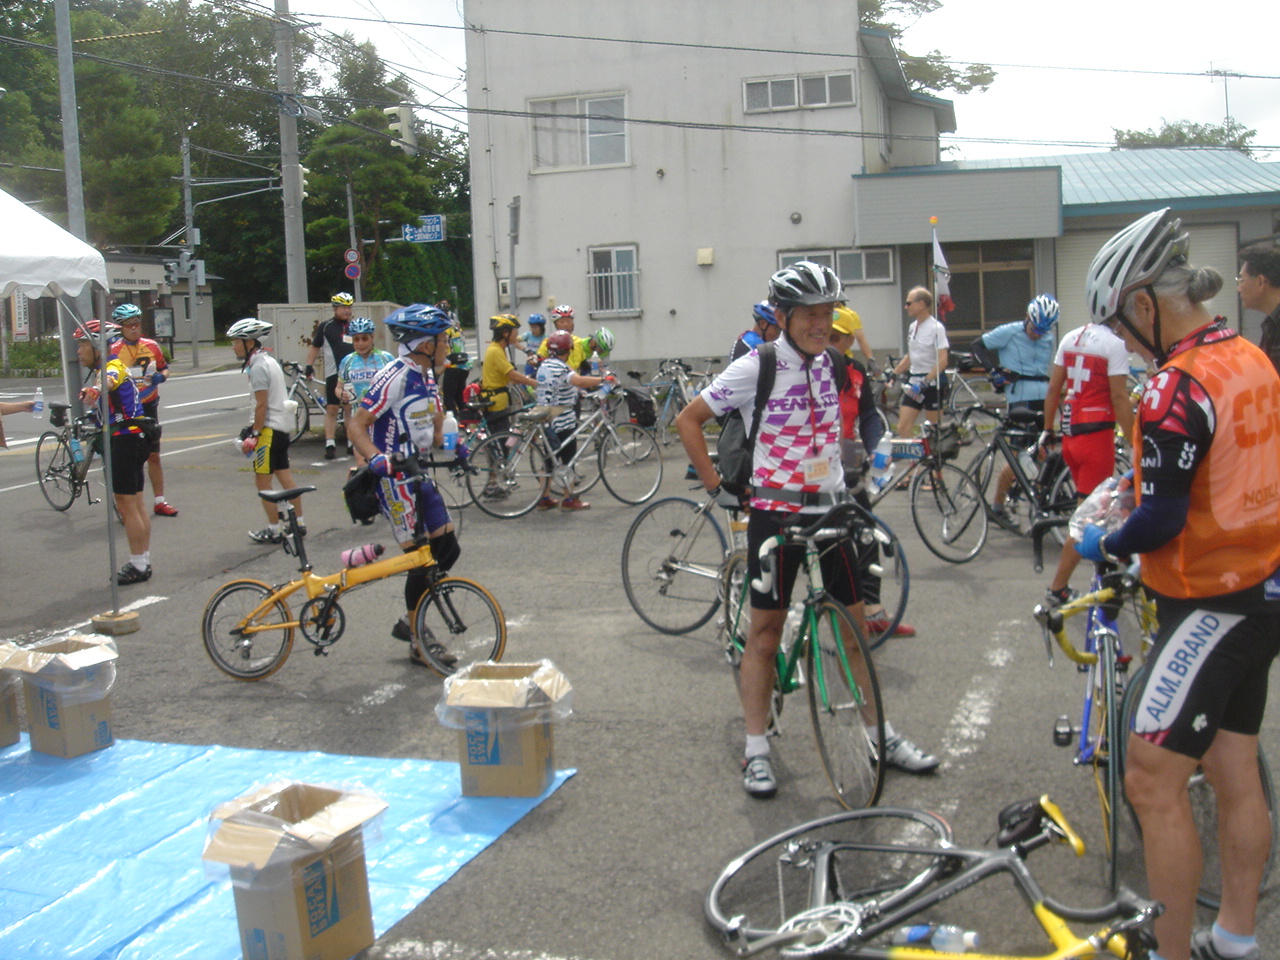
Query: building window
[[990, 284], [851, 266], [614, 277], [793, 93], [573, 132]]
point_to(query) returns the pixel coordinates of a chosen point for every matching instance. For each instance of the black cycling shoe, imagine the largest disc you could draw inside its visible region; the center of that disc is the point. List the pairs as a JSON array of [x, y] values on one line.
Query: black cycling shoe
[[402, 631], [130, 574]]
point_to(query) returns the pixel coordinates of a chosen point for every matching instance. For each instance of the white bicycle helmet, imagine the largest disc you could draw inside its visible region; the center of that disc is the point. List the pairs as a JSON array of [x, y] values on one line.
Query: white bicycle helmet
[[804, 283], [1134, 257], [250, 328], [1043, 313]]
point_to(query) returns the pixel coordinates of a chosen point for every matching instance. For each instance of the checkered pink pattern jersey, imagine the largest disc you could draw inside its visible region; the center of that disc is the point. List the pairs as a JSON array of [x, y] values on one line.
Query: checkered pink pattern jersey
[[801, 423]]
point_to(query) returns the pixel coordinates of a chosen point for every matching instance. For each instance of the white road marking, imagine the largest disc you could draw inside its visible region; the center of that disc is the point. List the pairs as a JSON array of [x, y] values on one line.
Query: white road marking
[[127, 608], [443, 950], [377, 698]]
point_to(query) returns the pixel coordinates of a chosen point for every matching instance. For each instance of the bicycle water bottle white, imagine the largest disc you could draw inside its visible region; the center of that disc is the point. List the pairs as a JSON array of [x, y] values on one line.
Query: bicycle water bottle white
[[1027, 460], [38, 409], [943, 937], [791, 628], [450, 431], [595, 363], [882, 462]]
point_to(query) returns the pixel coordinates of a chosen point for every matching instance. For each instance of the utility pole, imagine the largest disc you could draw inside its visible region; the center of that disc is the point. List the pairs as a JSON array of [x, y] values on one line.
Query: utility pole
[[295, 252], [189, 211], [351, 233], [513, 233], [75, 189]]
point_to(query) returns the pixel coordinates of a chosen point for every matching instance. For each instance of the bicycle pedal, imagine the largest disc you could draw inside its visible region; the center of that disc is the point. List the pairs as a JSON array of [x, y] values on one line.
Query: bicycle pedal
[[1063, 733]]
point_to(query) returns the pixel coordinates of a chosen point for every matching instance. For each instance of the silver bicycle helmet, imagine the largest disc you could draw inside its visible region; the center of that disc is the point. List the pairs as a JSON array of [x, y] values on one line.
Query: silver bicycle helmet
[[250, 328], [804, 283]]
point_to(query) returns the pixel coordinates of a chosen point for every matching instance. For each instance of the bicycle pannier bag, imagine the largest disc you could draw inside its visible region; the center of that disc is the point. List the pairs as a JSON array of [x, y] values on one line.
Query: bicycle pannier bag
[[641, 408], [361, 495]]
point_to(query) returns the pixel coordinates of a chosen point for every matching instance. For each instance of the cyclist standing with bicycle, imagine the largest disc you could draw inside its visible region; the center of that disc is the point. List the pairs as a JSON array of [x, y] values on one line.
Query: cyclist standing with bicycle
[[139, 355], [333, 338], [1207, 526], [924, 365], [497, 372], [401, 415], [796, 469]]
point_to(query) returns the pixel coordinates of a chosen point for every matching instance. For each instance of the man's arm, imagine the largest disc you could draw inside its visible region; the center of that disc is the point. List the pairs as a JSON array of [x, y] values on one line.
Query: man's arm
[[689, 423], [1122, 406], [358, 431], [259, 410]]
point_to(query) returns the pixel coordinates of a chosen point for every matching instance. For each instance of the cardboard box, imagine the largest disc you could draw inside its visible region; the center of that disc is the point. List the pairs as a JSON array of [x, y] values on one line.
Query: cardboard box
[[10, 725], [296, 857], [503, 713], [68, 684]]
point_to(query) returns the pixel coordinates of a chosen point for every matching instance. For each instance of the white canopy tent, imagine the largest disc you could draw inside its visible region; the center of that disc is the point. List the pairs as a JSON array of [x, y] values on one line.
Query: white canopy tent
[[41, 259]]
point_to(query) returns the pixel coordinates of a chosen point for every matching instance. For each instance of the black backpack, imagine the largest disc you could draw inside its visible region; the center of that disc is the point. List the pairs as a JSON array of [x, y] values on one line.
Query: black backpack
[[736, 446]]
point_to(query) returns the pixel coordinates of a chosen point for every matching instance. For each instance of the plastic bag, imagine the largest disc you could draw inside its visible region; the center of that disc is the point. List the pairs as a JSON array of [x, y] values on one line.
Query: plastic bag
[[1108, 506]]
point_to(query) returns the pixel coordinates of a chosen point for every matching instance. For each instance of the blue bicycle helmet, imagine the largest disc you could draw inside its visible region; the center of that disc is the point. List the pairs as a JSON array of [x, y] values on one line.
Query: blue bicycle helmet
[[417, 320], [538, 319], [360, 325], [763, 313], [1043, 313], [126, 311]]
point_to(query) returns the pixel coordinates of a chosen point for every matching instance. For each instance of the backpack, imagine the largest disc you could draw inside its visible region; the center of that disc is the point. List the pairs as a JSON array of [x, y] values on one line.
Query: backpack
[[736, 446]]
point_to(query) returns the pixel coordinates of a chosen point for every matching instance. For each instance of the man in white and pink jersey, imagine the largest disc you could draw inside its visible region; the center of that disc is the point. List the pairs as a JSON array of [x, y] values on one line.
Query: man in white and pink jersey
[[1089, 382], [796, 469]]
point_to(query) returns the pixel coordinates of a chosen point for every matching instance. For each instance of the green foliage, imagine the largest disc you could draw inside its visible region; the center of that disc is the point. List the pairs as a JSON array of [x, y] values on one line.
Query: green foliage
[[34, 355], [932, 71], [1187, 133]]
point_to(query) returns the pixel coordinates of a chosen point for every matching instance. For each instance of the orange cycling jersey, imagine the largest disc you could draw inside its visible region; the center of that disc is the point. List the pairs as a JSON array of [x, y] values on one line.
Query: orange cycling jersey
[[1232, 535], [141, 358]]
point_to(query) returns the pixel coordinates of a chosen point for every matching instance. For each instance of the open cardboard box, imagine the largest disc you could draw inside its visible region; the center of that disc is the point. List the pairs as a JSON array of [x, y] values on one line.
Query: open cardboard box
[[68, 684], [296, 857]]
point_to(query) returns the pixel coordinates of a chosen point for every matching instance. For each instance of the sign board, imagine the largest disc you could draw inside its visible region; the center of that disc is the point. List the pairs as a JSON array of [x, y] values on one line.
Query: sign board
[[429, 229], [351, 256], [352, 271], [21, 318], [164, 323]]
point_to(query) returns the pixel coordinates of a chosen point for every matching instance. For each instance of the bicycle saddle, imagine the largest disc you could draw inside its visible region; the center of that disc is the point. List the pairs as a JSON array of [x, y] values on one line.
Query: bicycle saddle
[[276, 496]]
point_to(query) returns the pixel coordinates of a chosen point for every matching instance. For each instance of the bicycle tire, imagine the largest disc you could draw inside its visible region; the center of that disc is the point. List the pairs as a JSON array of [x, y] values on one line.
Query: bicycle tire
[[630, 463], [54, 471], [458, 622], [586, 470], [233, 654], [301, 415], [672, 558], [949, 513], [850, 744], [453, 491], [978, 423], [1107, 739], [1204, 808], [1062, 502], [881, 556], [736, 606], [520, 475], [760, 889]]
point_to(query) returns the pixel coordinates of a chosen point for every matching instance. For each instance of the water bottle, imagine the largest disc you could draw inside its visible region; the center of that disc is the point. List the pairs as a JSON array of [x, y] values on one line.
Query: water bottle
[[359, 556], [943, 936], [791, 628], [1027, 460], [38, 409], [595, 363], [450, 431], [882, 463]]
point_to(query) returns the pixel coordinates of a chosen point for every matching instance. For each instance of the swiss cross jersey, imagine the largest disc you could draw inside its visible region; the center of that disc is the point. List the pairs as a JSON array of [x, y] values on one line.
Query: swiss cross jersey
[[1090, 355], [403, 399], [798, 444], [1209, 429], [141, 358], [359, 371], [335, 343]]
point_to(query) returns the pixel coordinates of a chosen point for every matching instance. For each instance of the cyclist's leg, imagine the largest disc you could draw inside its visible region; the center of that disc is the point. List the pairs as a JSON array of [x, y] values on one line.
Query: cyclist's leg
[[128, 467], [1244, 826], [332, 403], [1091, 458]]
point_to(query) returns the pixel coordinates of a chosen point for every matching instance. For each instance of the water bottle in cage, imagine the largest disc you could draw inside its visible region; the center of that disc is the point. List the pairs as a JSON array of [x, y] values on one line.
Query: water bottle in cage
[[359, 556]]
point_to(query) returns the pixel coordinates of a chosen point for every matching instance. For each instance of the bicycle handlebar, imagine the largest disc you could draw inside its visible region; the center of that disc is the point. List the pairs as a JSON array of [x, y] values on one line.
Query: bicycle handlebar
[[1039, 530], [1116, 586], [832, 524]]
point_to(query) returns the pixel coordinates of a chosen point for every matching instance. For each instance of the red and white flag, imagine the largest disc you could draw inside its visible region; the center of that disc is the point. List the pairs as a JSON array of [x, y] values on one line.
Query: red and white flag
[[943, 304]]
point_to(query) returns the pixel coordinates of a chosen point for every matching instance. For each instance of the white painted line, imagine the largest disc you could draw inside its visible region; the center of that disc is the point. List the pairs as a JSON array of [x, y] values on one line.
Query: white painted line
[[377, 698], [127, 608], [443, 950]]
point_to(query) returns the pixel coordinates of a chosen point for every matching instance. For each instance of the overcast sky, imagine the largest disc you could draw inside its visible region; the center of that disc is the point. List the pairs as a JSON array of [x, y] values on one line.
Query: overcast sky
[[1067, 72]]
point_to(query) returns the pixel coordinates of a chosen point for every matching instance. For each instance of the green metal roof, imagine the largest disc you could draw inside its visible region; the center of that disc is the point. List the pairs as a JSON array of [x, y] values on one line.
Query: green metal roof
[[1135, 181]]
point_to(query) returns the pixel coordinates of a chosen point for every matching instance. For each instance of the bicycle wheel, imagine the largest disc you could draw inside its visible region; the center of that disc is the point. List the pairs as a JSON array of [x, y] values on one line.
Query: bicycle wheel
[[949, 514], [1106, 738], [671, 562], [246, 656], [513, 472], [1062, 501], [886, 580], [1204, 807], [844, 701], [630, 463], [736, 605], [458, 623], [301, 414], [54, 468], [881, 855], [984, 470], [453, 491], [584, 472], [978, 423]]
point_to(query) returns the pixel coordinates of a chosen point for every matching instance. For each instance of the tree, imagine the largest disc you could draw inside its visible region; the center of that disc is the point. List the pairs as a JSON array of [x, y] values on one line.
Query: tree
[[931, 71], [1188, 133]]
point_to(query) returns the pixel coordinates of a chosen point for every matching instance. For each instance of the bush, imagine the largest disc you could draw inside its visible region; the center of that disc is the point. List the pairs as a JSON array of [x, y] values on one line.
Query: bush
[[35, 355]]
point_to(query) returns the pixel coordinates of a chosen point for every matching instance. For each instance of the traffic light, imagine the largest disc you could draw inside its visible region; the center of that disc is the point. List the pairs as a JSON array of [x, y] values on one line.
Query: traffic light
[[400, 121], [171, 275], [302, 179]]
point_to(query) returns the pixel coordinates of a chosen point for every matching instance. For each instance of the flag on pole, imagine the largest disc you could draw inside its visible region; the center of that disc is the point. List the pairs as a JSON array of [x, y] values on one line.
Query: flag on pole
[[943, 304]]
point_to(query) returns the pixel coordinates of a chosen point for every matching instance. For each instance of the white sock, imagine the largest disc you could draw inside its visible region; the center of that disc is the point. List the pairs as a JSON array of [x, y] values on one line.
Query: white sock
[[140, 562], [888, 731], [146, 558], [328, 443], [1231, 944], [757, 745], [159, 500]]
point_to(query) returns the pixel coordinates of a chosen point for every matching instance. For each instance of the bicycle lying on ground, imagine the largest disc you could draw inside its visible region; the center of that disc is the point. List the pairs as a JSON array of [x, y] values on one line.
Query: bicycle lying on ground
[[248, 628], [65, 456], [845, 884], [828, 655], [516, 469]]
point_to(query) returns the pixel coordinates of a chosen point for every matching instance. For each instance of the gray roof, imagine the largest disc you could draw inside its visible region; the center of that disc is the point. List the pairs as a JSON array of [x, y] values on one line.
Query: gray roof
[[1123, 181]]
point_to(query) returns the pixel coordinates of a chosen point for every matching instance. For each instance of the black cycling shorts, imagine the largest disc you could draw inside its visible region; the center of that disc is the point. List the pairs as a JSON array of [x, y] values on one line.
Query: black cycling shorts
[[129, 452], [1208, 669], [331, 397], [837, 558]]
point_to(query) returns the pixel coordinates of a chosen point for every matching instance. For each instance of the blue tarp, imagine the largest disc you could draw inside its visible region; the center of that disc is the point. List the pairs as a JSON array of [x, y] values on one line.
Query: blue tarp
[[100, 855]]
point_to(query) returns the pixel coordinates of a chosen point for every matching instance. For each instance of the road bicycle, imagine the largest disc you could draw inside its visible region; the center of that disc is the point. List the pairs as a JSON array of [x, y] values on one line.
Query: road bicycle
[[65, 456], [828, 656], [847, 883], [308, 399], [248, 628], [674, 386], [946, 503], [517, 468], [1109, 707]]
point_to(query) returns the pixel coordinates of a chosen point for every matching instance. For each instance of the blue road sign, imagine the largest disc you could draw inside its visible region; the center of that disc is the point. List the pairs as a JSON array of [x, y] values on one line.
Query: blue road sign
[[429, 229]]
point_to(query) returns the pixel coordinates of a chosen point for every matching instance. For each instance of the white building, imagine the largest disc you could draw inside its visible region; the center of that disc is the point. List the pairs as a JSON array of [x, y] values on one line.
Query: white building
[[668, 157]]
